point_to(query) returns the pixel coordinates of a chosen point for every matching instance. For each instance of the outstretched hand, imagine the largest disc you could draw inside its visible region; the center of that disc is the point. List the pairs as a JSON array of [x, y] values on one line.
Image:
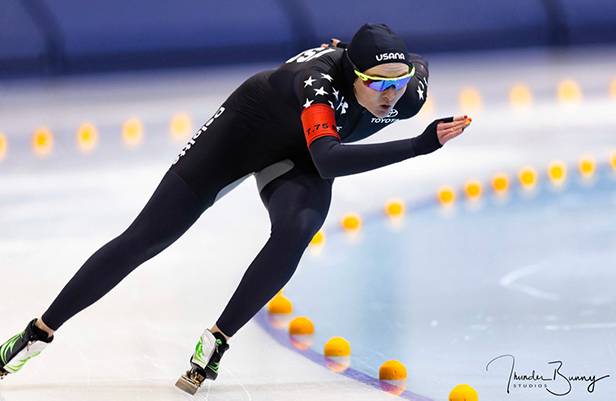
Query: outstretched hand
[[446, 131]]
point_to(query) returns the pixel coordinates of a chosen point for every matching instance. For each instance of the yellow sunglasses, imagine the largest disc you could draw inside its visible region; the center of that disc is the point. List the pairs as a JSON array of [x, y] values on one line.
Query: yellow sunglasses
[[382, 83]]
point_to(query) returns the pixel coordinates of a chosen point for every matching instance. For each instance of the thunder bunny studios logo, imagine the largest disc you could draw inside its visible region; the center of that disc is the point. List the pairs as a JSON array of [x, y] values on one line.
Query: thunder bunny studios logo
[[555, 379]]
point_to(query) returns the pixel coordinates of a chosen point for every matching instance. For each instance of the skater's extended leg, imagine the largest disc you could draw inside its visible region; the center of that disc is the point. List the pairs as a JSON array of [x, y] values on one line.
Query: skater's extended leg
[[171, 210], [297, 203], [205, 170]]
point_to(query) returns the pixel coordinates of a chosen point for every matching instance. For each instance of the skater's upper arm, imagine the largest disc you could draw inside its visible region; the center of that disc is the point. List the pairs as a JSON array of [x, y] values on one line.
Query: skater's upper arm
[[318, 120], [316, 97]]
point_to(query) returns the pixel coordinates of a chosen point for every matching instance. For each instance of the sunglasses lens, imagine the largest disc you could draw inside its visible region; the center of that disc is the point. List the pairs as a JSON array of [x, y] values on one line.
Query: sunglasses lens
[[376, 85], [402, 82], [383, 85]]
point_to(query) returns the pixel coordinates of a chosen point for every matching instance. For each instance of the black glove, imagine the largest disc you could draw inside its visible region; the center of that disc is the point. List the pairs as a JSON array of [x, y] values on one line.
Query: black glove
[[428, 141]]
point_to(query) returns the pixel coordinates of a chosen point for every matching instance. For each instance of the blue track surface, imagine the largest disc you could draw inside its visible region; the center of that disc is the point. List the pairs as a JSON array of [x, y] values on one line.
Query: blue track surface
[[531, 276]]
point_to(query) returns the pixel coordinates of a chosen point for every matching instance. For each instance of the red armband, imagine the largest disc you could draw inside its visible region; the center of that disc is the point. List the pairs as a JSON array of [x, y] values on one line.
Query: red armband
[[319, 120]]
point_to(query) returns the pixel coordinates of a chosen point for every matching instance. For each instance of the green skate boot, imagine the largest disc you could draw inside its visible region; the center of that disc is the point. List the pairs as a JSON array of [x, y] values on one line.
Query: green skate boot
[[204, 362], [22, 347]]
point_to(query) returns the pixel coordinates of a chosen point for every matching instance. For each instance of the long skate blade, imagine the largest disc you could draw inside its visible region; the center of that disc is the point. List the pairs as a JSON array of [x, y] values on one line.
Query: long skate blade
[[188, 385]]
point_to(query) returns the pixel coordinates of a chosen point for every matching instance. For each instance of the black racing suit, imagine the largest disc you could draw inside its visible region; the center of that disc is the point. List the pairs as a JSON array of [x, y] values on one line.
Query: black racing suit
[[258, 130]]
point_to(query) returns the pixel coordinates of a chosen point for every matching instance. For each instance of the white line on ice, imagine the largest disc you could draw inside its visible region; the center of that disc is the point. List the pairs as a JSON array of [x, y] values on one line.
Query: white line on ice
[[581, 326], [511, 278]]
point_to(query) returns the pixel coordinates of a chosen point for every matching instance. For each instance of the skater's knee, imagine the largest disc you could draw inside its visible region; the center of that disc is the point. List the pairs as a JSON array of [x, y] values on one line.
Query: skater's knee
[[149, 247], [140, 246], [300, 227]]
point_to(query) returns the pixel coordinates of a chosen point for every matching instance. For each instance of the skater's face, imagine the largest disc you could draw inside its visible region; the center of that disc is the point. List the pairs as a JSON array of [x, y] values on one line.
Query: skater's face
[[380, 103]]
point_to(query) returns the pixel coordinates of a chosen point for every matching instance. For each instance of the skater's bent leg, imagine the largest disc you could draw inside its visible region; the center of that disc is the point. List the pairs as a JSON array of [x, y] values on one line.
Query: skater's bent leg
[[297, 205], [171, 210]]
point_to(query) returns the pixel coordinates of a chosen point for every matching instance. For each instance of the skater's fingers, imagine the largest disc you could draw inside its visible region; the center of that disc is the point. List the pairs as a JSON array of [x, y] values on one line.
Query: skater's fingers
[[451, 135], [455, 128], [445, 132], [459, 121], [448, 128]]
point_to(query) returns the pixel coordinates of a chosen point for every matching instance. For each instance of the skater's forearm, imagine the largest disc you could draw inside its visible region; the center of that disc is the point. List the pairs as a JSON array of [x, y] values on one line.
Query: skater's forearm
[[334, 159]]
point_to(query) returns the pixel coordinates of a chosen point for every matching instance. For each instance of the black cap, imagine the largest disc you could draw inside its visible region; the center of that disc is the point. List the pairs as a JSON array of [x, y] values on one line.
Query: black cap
[[375, 44]]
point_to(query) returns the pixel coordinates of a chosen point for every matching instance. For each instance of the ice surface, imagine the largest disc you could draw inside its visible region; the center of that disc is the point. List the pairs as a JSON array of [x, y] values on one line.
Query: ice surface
[[136, 341]]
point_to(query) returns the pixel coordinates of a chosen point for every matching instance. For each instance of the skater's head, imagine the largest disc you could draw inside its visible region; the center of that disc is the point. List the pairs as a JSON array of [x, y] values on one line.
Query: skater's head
[[381, 67]]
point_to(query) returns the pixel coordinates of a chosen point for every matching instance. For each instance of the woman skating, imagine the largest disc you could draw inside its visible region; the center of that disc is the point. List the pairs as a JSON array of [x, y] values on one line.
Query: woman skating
[[290, 127]]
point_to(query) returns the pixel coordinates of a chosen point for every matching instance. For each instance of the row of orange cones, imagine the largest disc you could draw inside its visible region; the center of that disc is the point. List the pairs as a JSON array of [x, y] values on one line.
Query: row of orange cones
[[337, 351], [87, 136]]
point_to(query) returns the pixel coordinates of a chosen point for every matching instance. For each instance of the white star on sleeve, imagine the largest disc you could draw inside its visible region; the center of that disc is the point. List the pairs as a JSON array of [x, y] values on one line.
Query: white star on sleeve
[[336, 94], [308, 103], [331, 104], [420, 93], [309, 81], [320, 91], [327, 76]]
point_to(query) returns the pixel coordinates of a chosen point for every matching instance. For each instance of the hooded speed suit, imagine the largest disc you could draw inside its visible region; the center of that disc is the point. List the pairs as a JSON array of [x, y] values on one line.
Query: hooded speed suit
[[290, 127]]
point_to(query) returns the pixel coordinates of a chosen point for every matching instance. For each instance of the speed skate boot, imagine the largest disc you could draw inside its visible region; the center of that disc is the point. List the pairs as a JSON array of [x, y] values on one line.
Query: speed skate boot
[[22, 347], [204, 362]]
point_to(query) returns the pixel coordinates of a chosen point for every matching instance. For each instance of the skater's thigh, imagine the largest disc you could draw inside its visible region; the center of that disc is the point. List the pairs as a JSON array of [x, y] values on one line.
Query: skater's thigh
[[170, 211], [297, 192]]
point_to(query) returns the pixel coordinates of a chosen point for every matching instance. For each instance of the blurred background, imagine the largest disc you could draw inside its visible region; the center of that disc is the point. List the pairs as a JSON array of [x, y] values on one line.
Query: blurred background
[[98, 98], [42, 37]]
